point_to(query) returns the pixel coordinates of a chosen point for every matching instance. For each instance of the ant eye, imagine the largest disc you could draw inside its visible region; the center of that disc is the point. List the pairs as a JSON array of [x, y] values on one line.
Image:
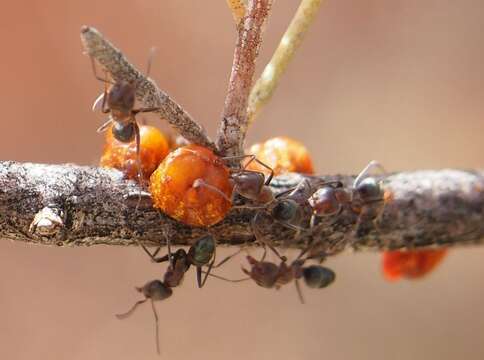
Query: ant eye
[[285, 210], [193, 186], [153, 149], [123, 132], [318, 277], [369, 189], [283, 155]]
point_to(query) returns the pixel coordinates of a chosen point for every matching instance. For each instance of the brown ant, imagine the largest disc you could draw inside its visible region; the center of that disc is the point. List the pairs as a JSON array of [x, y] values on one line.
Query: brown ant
[[201, 253], [269, 275], [119, 102], [155, 290]]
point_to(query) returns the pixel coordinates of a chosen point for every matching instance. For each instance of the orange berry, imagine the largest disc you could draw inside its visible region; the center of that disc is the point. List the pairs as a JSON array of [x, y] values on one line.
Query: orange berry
[[188, 186], [412, 264], [122, 156], [283, 155]]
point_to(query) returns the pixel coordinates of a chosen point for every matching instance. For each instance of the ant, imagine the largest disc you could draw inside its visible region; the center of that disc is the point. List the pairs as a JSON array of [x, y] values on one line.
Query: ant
[[331, 200], [200, 254], [155, 290], [119, 102], [269, 275]]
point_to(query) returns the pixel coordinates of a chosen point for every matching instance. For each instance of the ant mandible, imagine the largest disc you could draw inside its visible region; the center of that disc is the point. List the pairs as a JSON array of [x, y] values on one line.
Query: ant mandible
[[119, 102]]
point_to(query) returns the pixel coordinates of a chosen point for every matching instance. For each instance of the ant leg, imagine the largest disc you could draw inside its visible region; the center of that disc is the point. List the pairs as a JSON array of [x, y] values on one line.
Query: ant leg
[[105, 126], [143, 110], [93, 64], [130, 311], [200, 182], [227, 258], [263, 255], [157, 327], [259, 237], [289, 192], [371, 165], [137, 137], [225, 279], [299, 292], [153, 256], [199, 270]]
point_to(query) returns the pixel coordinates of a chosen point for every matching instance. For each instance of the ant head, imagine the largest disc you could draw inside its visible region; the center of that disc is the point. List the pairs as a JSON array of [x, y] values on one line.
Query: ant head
[[264, 273], [369, 189], [202, 251], [156, 290], [180, 254], [285, 210], [324, 201], [121, 96], [318, 277], [123, 132]]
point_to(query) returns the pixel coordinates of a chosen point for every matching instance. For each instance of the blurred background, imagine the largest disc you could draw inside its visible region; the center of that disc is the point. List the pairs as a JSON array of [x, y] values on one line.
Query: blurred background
[[398, 81]]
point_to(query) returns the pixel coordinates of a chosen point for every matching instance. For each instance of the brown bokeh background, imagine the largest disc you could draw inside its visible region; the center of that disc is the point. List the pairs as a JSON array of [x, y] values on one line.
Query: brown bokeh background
[[399, 81]]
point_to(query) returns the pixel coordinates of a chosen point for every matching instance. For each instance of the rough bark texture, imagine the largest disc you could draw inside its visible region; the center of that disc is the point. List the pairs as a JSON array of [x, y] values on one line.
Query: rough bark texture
[[70, 205], [233, 127]]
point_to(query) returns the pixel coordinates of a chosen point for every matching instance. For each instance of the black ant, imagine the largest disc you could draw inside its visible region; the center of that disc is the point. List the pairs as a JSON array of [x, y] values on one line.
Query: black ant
[[119, 102], [331, 200]]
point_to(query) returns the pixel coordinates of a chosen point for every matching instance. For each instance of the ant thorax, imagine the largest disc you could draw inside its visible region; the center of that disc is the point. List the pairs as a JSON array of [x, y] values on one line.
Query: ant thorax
[[121, 98]]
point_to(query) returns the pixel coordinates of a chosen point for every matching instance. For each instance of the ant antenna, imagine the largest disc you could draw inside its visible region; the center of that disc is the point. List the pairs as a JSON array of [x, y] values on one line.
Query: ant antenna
[[93, 64], [371, 165], [299, 292], [131, 311], [157, 327], [151, 55]]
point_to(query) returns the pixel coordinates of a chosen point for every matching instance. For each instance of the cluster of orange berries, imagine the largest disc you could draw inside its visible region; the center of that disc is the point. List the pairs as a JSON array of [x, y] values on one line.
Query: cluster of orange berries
[[192, 185]]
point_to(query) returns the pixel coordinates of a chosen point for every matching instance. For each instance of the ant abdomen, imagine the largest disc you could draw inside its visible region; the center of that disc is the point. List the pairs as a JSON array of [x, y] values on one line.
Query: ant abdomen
[[202, 251], [124, 132], [318, 277], [264, 273]]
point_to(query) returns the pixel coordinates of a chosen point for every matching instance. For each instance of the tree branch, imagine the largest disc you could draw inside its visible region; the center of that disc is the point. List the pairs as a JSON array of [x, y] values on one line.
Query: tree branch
[[70, 205], [233, 128], [147, 92]]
